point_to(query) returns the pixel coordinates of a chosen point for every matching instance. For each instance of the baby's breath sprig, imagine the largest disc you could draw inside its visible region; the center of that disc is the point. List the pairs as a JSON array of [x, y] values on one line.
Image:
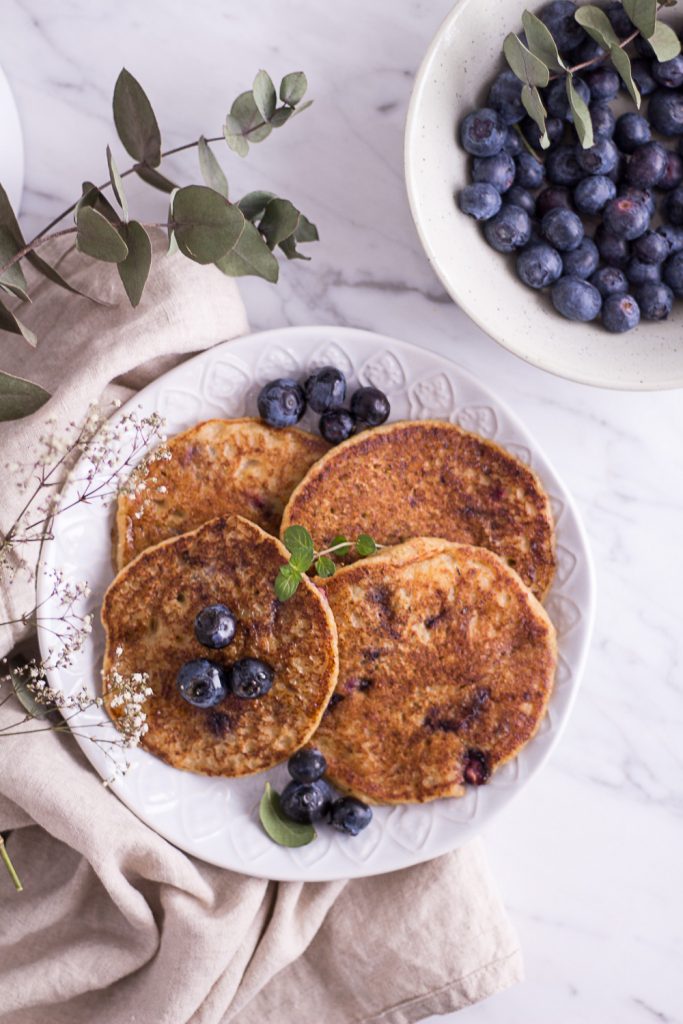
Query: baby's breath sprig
[[299, 543]]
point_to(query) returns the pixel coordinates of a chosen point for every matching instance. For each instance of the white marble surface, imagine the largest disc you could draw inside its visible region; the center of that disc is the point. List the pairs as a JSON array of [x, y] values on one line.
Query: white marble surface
[[589, 856]]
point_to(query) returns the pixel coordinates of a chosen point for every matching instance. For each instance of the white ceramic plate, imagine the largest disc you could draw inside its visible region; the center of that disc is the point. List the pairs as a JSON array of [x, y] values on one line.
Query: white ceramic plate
[[454, 78], [11, 146], [216, 819]]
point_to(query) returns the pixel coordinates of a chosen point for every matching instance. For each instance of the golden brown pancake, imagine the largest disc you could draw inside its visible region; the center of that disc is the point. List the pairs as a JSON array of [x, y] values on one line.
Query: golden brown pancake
[[149, 612], [428, 478], [241, 467], [446, 664]]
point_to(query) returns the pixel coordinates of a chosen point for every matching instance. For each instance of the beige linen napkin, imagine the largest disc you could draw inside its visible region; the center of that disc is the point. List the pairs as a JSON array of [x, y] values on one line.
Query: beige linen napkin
[[115, 924]]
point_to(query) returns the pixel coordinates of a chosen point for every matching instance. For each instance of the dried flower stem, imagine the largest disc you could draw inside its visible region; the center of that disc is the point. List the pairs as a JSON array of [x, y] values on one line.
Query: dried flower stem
[[10, 866]]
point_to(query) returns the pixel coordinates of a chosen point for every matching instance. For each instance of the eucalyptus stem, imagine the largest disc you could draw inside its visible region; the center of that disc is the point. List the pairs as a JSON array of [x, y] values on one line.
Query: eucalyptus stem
[[10, 866]]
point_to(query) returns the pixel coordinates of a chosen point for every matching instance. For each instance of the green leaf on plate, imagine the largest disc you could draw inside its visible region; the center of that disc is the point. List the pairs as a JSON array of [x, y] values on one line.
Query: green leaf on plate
[[582, 117], [299, 543], [250, 256], [134, 270], [98, 238], [541, 42], [293, 88], [597, 25], [643, 14], [117, 184], [525, 65], [280, 829], [287, 582], [264, 94], [664, 42], [135, 121], [533, 104], [212, 172], [622, 65], [206, 226], [19, 397], [325, 567]]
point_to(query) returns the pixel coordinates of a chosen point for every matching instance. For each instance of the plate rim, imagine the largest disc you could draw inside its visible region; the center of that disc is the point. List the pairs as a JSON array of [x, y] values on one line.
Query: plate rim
[[293, 335]]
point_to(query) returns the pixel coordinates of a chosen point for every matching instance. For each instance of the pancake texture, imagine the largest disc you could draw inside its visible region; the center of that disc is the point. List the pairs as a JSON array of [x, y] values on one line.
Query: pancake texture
[[148, 615], [429, 478], [446, 665], [240, 467]]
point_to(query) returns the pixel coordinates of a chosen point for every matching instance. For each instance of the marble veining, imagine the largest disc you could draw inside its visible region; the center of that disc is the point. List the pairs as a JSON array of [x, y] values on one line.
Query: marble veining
[[588, 857]]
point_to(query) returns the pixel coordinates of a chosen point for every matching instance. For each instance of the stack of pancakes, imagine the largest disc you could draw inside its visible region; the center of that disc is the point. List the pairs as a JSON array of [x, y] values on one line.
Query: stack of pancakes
[[416, 671]]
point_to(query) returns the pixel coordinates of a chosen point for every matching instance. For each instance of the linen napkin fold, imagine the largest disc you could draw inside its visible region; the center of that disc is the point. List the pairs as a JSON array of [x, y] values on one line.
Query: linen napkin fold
[[116, 924]]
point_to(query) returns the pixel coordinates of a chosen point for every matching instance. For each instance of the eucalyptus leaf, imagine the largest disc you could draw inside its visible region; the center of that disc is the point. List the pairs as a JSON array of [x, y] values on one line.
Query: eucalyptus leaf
[[325, 567], [154, 178], [533, 104], [52, 274], [279, 221], [8, 218], [643, 14], [134, 270], [305, 232], [116, 183], [281, 116], [287, 582], [249, 118], [582, 118], [19, 397], [232, 130], [205, 224], [304, 106], [16, 290], [254, 203], [664, 42], [282, 830], [98, 238], [212, 172], [14, 277], [365, 545], [299, 543], [622, 65], [293, 88], [10, 322], [541, 43], [94, 197], [250, 257], [135, 121], [525, 65], [597, 25], [265, 96]]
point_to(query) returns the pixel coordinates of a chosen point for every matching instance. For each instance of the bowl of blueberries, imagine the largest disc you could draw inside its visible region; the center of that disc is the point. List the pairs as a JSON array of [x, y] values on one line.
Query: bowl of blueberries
[[565, 246]]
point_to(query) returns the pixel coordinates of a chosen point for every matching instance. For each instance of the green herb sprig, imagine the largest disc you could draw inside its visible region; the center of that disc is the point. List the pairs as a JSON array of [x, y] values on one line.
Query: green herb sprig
[[299, 543], [537, 61], [282, 830]]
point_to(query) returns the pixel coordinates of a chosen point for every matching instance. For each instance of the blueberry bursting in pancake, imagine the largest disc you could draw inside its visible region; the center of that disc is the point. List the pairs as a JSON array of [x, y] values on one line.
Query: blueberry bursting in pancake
[[446, 665], [429, 479]]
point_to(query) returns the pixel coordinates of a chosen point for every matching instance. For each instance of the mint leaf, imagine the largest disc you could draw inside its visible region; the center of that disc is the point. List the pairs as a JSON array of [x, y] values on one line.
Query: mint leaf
[[299, 543], [365, 545], [341, 545], [280, 829], [325, 567], [287, 582]]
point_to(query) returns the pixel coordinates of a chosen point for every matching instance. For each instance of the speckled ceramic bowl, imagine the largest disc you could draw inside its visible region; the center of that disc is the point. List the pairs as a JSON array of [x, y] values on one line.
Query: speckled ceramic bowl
[[454, 78]]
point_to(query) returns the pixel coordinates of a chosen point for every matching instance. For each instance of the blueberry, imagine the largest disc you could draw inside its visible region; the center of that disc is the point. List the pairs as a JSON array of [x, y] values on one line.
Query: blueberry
[[306, 802], [481, 201], [307, 765], [613, 250], [250, 678], [370, 405], [665, 111], [610, 281], [581, 262], [640, 72], [668, 73], [673, 207], [639, 272], [505, 96], [563, 229], [337, 425], [520, 197], [619, 19], [639, 195], [482, 133], [655, 300], [631, 131], [604, 121], [647, 165], [673, 274], [510, 229], [673, 236], [539, 265], [593, 193], [651, 247], [673, 175], [530, 172], [281, 403], [554, 197], [350, 816], [620, 313], [498, 170], [576, 299], [557, 101], [554, 127], [513, 143], [598, 159], [202, 683], [558, 17], [326, 388], [215, 625], [603, 83], [626, 218], [562, 167]]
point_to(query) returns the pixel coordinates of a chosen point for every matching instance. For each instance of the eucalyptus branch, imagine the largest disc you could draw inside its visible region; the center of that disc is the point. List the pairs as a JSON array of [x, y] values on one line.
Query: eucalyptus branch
[[4, 855]]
